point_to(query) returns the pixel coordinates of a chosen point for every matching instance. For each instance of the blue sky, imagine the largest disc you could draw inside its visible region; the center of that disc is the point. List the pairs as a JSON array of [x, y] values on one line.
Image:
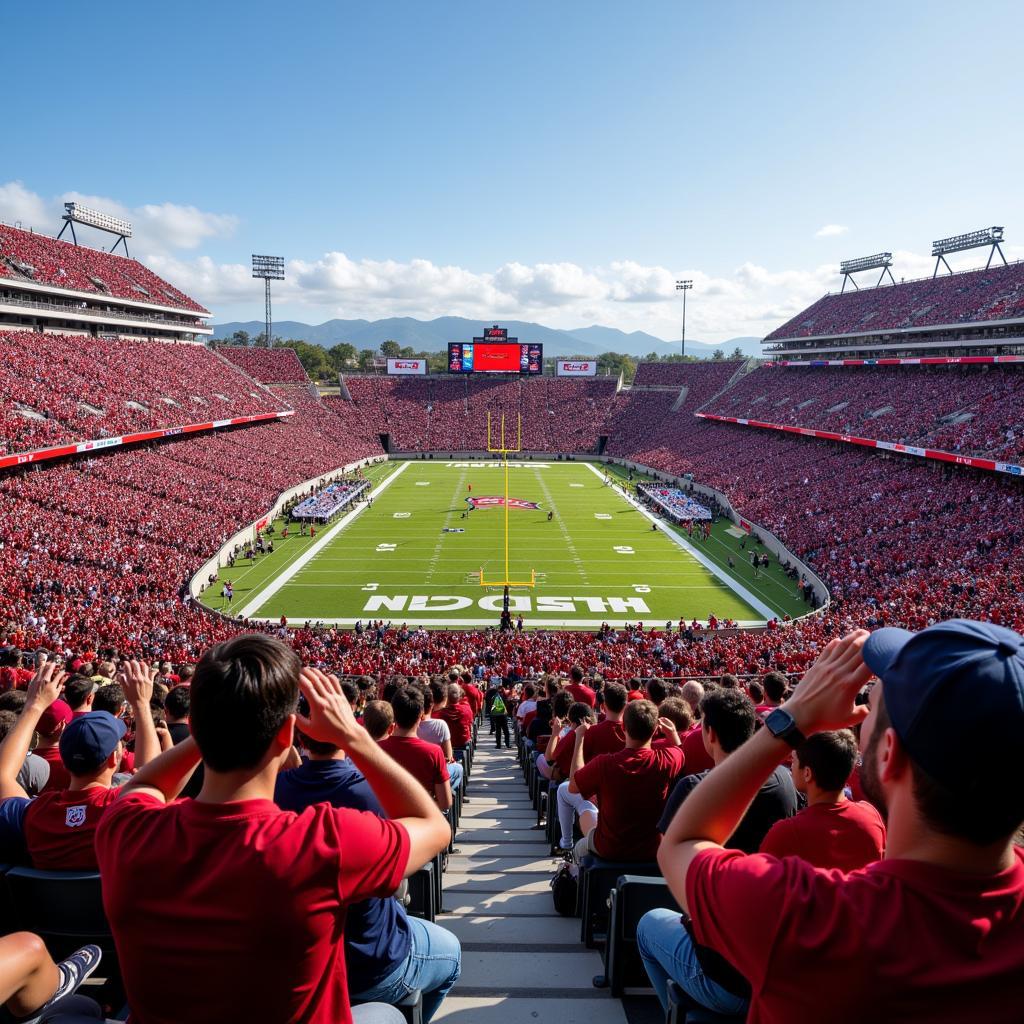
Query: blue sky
[[556, 161]]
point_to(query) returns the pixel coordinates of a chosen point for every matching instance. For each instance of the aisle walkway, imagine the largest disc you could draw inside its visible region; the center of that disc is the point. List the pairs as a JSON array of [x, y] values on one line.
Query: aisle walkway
[[521, 962]]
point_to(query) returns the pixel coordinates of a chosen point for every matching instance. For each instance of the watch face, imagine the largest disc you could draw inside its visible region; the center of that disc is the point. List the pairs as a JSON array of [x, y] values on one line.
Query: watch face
[[779, 721]]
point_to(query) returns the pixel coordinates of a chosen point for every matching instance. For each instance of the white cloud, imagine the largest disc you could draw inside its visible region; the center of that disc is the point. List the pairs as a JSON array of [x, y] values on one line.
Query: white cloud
[[831, 230]]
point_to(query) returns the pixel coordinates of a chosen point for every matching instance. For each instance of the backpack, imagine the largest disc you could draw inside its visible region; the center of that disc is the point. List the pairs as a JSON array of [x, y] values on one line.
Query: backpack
[[564, 890], [498, 707]]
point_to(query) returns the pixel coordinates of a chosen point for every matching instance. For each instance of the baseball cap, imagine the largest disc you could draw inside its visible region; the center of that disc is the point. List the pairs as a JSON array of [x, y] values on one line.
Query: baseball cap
[[956, 677], [89, 740], [53, 717]]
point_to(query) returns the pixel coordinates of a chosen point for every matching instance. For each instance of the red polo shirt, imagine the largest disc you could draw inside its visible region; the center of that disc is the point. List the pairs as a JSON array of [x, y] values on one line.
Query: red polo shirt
[[249, 912], [474, 696], [631, 787], [697, 758], [60, 828], [582, 693], [604, 738], [899, 940], [424, 761], [847, 835]]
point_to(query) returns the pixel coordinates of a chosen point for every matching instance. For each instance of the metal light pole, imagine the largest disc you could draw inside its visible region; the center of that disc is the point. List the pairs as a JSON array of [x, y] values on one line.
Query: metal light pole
[[684, 287]]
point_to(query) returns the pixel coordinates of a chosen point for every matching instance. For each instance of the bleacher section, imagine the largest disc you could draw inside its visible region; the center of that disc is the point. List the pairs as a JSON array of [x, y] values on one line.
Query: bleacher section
[[978, 296], [28, 256], [267, 365], [56, 388]]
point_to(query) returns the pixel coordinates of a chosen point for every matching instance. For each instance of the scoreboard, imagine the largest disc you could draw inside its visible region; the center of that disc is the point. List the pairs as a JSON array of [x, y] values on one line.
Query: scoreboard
[[495, 352]]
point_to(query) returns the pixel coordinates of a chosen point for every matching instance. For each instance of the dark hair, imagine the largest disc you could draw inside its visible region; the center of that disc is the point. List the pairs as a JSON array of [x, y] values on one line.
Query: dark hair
[[109, 697], [177, 703], [577, 674], [77, 690], [756, 691], [407, 705], [615, 696], [243, 691], [730, 713], [7, 722], [991, 813], [378, 718], [13, 700], [439, 691], [351, 691], [657, 691], [640, 720], [775, 685], [677, 711], [830, 756], [528, 690], [560, 703], [728, 681], [580, 712]]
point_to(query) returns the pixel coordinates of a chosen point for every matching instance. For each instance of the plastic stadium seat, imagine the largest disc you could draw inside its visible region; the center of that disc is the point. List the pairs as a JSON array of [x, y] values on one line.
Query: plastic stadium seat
[[423, 901], [411, 1007], [597, 879], [631, 898]]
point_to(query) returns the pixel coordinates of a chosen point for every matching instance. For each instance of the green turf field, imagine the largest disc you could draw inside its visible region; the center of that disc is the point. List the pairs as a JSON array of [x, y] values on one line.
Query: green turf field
[[598, 560]]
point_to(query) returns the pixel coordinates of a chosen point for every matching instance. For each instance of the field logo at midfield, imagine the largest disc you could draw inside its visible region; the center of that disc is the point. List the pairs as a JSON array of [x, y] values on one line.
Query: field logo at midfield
[[497, 500], [517, 603]]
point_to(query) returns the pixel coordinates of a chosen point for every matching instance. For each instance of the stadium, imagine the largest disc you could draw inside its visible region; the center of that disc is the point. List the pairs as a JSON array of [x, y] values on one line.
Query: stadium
[[486, 685]]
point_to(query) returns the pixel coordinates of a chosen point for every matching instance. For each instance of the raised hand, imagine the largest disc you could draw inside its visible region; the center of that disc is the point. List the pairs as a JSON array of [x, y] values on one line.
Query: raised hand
[[330, 715], [46, 685], [669, 729], [136, 679], [825, 697]]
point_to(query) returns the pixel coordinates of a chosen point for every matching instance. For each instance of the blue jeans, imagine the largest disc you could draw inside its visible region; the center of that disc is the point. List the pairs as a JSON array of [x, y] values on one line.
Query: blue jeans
[[433, 966], [668, 952], [455, 774]]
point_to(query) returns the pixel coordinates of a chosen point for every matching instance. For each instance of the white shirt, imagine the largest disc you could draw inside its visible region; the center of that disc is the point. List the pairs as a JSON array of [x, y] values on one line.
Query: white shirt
[[434, 730], [525, 708]]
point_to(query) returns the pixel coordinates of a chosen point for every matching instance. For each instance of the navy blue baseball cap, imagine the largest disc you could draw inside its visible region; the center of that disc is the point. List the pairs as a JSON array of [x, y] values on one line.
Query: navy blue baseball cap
[[954, 678], [89, 740]]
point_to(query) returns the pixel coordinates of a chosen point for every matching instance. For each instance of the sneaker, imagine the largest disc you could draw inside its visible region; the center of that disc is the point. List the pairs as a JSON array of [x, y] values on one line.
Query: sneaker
[[72, 972]]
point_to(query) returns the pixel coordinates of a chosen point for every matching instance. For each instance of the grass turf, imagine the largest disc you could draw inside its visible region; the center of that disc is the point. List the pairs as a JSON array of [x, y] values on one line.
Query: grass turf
[[598, 560]]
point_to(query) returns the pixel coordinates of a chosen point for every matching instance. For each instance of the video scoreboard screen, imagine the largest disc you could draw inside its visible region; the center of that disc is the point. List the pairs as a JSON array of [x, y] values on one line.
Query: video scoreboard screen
[[508, 356]]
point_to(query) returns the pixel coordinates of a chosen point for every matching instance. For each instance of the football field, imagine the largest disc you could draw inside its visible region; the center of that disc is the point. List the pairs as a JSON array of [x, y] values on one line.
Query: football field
[[416, 556]]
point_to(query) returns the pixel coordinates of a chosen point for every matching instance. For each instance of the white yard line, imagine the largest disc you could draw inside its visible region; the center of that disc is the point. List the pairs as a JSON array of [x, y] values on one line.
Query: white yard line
[[570, 547], [712, 567], [447, 522], [314, 549]]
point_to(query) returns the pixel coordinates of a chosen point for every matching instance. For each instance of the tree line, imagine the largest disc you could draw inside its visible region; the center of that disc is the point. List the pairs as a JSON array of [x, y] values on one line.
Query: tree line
[[324, 364]]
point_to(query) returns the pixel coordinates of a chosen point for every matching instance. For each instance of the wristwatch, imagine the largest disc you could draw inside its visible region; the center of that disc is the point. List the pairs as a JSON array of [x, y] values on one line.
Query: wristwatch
[[780, 724]]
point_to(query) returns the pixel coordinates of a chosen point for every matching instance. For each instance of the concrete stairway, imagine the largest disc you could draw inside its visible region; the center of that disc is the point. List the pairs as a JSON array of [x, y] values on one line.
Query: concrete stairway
[[521, 962]]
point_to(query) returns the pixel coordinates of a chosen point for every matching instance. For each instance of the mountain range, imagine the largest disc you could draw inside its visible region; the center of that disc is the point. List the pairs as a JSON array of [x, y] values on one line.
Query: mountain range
[[434, 335]]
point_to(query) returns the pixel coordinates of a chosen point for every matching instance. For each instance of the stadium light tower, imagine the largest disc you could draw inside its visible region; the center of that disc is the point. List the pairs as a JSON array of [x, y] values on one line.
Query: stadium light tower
[[270, 268], [971, 240], [684, 287]]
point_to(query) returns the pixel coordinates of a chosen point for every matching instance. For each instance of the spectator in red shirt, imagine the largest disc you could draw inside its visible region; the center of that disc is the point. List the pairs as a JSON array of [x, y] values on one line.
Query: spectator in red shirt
[[945, 941], [423, 761], [609, 738], [473, 693], [831, 832], [775, 686], [459, 716], [279, 957], [547, 763], [49, 727], [630, 787], [78, 694], [579, 690]]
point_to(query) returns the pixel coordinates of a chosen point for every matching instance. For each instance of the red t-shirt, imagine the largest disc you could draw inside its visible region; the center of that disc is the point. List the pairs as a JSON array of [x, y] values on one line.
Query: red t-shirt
[[847, 835], [460, 721], [563, 753], [583, 694], [899, 940], [59, 778], [243, 903], [604, 738], [697, 758], [475, 697], [60, 827], [424, 761], [631, 787]]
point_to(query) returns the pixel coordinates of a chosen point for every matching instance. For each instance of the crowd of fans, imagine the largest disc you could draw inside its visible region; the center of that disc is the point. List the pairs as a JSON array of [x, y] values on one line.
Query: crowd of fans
[[975, 296], [971, 410], [56, 388], [267, 365], [26, 255]]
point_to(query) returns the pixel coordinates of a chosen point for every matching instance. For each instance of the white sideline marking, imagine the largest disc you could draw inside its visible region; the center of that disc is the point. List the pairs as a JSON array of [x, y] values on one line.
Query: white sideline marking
[[313, 550], [734, 585]]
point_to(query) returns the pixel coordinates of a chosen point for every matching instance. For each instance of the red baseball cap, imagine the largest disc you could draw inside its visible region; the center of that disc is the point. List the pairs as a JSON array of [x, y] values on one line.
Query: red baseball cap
[[56, 715]]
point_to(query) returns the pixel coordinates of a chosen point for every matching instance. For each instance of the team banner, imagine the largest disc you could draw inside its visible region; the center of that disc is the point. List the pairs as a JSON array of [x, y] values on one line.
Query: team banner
[[917, 361], [407, 366], [576, 368], [868, 442]]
